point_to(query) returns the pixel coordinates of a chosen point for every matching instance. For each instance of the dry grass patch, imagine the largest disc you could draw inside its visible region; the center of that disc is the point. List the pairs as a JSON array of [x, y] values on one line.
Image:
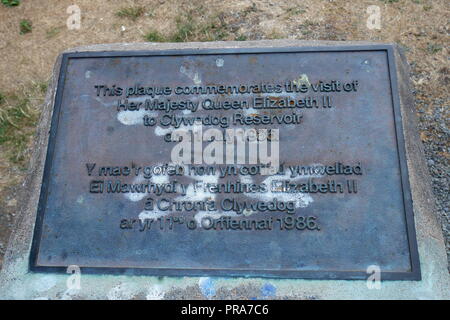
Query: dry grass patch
[[132, 13], [18, 117]]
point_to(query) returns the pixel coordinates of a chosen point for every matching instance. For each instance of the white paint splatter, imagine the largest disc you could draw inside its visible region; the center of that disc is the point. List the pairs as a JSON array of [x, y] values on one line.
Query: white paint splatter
[[134, 117], [87, 74], [200, 194], [163, 131], [219, 62], [303, 79], [159, 179], [245, 178], [249, 111], [248, 212], [80, 199], [136, 196], [194, 76]]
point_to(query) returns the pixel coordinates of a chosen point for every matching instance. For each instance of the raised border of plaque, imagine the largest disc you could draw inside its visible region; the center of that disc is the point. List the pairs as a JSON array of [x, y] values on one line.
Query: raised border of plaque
[[414, 274]]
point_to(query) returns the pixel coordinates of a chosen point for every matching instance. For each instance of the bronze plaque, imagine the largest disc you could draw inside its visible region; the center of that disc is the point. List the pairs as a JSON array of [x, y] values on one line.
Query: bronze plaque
[[145, 173]]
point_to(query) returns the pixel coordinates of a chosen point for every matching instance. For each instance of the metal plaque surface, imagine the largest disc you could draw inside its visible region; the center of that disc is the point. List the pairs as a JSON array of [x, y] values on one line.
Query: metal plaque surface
[[333, 203]]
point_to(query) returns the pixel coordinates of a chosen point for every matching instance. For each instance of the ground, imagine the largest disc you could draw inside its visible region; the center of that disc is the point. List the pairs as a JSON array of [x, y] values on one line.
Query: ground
[[33, 33]]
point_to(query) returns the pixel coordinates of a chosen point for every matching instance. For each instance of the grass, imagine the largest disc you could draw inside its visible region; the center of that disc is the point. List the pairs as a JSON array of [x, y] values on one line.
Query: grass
[[241, 37], [11, 3], [52, 32], [250, 9], [433, 48], [293, 11], [154, 36], [186, 29], [191, 28], [25, 26], [274, 34], [131, 12], [18, 119]]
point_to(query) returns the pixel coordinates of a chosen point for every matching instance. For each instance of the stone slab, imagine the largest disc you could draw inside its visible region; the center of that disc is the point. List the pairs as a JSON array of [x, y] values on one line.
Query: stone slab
[[17, 281]]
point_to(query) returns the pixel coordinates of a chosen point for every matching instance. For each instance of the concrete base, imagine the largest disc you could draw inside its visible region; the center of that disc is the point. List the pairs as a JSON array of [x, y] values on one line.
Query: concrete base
[[16, 282]]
